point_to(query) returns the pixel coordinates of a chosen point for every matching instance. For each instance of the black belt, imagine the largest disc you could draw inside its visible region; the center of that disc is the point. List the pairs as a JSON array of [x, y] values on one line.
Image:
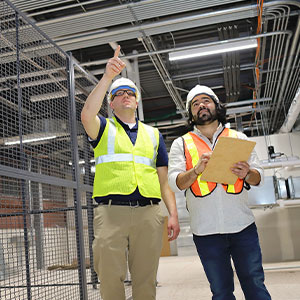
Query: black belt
[[133, 203]]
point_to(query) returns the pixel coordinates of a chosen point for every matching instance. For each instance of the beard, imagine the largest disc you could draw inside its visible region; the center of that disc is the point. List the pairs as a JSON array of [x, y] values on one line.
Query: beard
[[205, 116]]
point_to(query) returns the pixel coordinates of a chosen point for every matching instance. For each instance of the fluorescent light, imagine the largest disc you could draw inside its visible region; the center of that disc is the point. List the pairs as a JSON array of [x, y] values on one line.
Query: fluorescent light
[[82, 161], [214, 49], [30, 140], [280, 162]]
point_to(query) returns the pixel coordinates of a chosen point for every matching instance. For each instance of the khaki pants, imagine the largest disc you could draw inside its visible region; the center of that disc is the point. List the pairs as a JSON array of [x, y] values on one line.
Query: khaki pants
[[139, 229]]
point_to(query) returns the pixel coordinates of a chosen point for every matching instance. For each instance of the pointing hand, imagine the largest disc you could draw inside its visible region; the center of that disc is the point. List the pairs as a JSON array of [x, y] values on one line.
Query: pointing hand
[[115, 65]]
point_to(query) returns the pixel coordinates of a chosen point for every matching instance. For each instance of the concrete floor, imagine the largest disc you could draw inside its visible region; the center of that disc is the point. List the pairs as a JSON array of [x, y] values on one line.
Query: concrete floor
[[182, 278]]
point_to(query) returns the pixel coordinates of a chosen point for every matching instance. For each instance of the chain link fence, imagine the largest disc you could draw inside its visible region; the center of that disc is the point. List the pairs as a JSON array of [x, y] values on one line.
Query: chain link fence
[[46, 168]]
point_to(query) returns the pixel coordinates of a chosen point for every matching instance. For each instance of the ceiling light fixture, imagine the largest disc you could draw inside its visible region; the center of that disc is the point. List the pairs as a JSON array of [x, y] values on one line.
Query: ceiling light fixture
[[32, 140], [214, 49]]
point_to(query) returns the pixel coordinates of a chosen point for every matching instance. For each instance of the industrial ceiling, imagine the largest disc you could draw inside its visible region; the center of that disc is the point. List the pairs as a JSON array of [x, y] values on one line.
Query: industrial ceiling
[[258, 85]]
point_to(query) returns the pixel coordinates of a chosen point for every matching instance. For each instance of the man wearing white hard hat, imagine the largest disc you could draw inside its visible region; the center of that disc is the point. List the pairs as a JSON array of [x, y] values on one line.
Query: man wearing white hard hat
[[223, 225], [130, 180]]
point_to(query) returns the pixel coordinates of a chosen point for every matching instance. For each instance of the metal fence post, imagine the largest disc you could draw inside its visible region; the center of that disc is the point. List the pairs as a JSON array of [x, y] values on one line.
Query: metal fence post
[[23, 162], [76, 175]]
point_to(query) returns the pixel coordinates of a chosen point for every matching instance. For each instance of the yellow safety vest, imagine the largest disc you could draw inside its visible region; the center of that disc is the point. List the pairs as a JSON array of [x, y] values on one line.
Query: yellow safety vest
[[121, 167], [194, 147]]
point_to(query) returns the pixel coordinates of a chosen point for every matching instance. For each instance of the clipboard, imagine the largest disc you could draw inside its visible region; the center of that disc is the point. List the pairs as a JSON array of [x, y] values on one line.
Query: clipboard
[[226, 153]]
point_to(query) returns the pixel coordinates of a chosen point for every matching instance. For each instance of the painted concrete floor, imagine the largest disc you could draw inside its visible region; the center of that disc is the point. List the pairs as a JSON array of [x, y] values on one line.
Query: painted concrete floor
[[182, 278]]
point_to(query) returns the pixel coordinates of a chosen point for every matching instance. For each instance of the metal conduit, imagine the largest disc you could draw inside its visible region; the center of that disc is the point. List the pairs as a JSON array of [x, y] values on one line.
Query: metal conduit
[[278, 49], [271, 63], [106, 18], [103, 36], [99, 38], [292, 85], [64, 7], [26, 5], [274, 55], [294, 78], [143, 10], [282, 86], [165, 76], [209, 72], [153, 28], [224, 42], [249, 11]]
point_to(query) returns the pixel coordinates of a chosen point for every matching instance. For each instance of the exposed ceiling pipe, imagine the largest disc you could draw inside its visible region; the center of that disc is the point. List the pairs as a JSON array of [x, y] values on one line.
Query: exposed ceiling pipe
[[276, 49], [273, 59], [239, 103], [294, 80], [142, 9], [160, 26], [210, 72], [164, 75], [63, 7], [119, 34], [224, 43], [282, 86]]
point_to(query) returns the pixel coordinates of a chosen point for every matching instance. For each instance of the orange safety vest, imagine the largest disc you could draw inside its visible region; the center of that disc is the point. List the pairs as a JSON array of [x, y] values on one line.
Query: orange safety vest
[[194, 147]]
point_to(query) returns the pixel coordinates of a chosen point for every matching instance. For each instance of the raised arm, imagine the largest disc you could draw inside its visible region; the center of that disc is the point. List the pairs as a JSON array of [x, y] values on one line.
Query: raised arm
[[89, 119]]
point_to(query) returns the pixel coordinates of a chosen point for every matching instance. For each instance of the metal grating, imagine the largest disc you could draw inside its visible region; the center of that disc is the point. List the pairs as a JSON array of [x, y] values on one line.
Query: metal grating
[[46, 168]]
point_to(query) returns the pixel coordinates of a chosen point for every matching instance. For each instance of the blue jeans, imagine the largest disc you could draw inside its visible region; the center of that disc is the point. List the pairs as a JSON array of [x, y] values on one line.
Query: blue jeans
[[215, 252]]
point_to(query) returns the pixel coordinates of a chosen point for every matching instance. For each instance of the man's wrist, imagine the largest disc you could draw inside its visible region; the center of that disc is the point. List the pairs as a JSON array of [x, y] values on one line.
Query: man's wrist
[[248, 176], [196, 171]]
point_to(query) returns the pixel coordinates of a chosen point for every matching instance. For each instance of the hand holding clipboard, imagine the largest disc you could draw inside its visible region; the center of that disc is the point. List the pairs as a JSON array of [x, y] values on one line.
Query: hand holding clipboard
[[228, 151]]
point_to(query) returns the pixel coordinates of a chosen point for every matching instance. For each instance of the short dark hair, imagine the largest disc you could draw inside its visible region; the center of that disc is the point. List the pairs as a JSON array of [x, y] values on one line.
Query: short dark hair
[[220, 110]]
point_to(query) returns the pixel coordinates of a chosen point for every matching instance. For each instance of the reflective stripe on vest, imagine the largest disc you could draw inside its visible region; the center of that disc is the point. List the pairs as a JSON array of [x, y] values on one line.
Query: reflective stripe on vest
[[115, 157], [199, 186], [124, 157], [194, 148]]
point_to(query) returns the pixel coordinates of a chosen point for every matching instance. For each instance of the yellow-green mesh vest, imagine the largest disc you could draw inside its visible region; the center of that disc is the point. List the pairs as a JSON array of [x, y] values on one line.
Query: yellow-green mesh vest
[[121, 167]]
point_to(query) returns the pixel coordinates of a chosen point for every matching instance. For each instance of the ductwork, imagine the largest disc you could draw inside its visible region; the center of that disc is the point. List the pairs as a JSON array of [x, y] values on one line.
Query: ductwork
[[292, 115]]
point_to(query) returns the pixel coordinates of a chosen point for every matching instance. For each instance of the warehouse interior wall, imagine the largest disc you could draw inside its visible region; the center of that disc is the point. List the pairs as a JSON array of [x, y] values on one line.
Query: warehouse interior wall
[[279, 226]]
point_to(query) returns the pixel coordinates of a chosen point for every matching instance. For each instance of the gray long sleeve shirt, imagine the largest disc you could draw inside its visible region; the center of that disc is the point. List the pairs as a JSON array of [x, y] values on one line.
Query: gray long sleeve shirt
[[218, 212]]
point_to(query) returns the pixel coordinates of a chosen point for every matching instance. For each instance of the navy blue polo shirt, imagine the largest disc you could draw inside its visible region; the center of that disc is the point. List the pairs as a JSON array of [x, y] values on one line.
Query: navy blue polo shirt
[[161, 160]]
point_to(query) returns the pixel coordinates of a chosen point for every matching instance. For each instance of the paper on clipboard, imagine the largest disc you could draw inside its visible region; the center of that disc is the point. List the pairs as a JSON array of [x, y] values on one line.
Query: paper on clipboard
[[227, 152]]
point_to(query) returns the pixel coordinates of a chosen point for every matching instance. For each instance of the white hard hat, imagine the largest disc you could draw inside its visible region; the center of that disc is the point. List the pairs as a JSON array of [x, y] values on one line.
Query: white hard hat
[[200, 89], [123, 83]]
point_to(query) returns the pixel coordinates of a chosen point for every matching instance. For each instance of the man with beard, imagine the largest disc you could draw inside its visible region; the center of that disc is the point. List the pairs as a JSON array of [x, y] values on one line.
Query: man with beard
[[222, 224]]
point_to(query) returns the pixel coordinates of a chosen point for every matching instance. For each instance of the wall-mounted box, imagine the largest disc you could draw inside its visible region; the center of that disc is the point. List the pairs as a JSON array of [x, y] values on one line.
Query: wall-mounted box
[[263, 195]]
